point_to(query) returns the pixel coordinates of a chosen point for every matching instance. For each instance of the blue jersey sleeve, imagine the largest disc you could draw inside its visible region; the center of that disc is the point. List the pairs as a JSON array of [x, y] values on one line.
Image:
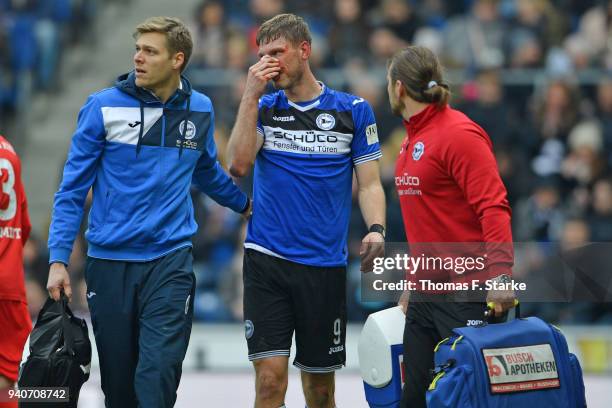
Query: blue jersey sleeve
[[210, 178], [365, 146]]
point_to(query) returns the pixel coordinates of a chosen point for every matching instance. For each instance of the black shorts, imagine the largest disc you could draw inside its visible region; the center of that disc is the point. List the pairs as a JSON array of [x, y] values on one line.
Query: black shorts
[[281, 297]]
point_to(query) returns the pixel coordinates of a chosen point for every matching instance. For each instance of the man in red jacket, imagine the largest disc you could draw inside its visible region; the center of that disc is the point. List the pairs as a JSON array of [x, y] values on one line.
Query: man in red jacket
[[14, 232], [452, 200]]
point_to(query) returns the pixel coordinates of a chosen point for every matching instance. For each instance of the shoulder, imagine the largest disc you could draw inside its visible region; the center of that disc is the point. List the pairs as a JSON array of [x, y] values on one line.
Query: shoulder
[[200, 102], [112, 97], [460, 128], [348, 102], [6, 146]]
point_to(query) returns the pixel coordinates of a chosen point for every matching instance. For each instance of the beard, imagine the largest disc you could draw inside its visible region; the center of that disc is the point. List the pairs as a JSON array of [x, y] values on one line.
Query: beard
[[397, 107]]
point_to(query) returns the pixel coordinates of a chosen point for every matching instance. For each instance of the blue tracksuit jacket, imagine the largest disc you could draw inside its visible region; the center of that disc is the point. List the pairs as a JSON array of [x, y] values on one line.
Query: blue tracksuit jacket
[[141, 159]]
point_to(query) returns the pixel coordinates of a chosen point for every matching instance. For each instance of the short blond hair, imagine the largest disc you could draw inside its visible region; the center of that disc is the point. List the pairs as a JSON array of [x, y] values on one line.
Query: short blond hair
[[177, 35], [289, 26]]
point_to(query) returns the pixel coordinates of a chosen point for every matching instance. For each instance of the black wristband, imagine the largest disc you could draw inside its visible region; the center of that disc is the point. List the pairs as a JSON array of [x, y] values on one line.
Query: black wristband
[[377, 228]]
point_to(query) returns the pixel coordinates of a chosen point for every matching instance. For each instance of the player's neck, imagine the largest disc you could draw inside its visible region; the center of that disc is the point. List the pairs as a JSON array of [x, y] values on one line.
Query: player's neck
[[307, 89], [166, 89], [412, 108]]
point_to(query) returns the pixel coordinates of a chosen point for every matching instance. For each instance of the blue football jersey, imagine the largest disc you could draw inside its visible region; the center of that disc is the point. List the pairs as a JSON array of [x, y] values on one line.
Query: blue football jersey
[[303, 175]]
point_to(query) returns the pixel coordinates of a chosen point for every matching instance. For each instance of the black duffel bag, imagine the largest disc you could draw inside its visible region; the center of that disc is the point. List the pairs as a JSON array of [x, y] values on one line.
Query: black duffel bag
[[60, 354]]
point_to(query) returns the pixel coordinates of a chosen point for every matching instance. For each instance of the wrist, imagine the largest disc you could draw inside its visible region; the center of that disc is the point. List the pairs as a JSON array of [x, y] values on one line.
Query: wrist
[[378, 228], [503, 278], [59, 255], [248, 208], [251, 97], [495, 270]]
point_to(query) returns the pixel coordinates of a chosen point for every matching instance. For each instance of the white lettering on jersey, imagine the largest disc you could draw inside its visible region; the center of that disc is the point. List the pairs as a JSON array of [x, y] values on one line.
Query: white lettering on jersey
[[307, 141], [10, 232]]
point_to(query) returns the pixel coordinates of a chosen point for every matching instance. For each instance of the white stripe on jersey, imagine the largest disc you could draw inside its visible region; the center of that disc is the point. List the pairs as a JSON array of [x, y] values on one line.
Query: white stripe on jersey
[[367, 157], [307, 141], [261, 249]]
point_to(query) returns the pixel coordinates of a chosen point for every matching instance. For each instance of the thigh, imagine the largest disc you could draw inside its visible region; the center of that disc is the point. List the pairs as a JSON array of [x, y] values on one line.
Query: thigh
[[420, 339], [165, 306], [16, 326], [319, 300], [268, 312], [165, 321], [111, 296], [450, 315]]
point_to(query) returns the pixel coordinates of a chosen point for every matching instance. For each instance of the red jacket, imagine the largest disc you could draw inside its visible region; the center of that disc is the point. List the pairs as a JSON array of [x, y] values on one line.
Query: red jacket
[[14, 224], [450, 190]]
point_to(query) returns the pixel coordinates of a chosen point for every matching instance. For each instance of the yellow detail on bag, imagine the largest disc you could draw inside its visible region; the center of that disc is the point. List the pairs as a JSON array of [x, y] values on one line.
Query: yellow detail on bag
[[440, 343], [456, 341], [432, 386]]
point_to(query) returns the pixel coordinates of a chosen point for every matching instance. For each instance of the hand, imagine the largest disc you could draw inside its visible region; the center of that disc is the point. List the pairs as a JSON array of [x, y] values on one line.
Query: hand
[[372, 246], [500, 301], [58, 280], [403, 301], [259, 75]]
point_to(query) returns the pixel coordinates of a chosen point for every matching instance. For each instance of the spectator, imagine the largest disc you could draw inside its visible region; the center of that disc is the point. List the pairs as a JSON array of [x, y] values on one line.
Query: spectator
[[489, 109], [600, 219], [583, 164], [604, 114], [348, 34], [540, 216], [210, 36], [476, 40], [399, 17]]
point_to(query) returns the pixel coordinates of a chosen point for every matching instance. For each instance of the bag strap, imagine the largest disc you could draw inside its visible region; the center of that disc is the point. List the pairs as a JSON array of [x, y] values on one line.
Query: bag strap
[[66, 329]]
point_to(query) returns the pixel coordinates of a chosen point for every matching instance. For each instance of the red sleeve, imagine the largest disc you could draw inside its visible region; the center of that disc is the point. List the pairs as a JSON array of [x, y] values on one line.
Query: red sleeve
[[26, 226], [471, 163]]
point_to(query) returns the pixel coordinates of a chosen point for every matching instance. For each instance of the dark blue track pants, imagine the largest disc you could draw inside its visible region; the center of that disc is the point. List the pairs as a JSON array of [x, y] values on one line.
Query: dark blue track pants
[[141, 314]]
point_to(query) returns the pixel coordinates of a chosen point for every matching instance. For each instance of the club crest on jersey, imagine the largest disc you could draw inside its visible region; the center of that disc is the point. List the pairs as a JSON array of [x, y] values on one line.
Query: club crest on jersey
[[419, 149], [249, 328], [325, 121], [191, 130]]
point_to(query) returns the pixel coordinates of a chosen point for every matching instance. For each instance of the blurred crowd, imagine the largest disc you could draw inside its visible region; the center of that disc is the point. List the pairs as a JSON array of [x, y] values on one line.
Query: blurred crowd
[[552, 137], [34, 35]]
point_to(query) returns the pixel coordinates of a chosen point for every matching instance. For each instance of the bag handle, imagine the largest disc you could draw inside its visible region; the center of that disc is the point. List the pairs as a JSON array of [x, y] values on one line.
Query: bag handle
[[491, 306], [66, 318]]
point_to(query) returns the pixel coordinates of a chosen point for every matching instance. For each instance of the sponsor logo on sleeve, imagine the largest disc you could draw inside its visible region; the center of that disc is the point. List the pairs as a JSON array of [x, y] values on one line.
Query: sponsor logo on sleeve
[[524, 368], [372, 134]]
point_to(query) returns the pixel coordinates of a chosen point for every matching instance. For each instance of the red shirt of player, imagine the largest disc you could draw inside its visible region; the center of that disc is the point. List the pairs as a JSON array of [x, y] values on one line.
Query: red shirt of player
[[450, 191], [14, 224]]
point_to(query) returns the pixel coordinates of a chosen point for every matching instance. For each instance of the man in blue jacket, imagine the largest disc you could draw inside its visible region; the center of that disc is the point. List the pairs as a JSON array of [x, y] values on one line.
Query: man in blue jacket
[[140, 145]]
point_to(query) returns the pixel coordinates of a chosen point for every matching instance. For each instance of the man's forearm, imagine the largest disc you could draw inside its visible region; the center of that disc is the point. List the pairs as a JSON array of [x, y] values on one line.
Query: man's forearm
[[242, 146], [372, 204]]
